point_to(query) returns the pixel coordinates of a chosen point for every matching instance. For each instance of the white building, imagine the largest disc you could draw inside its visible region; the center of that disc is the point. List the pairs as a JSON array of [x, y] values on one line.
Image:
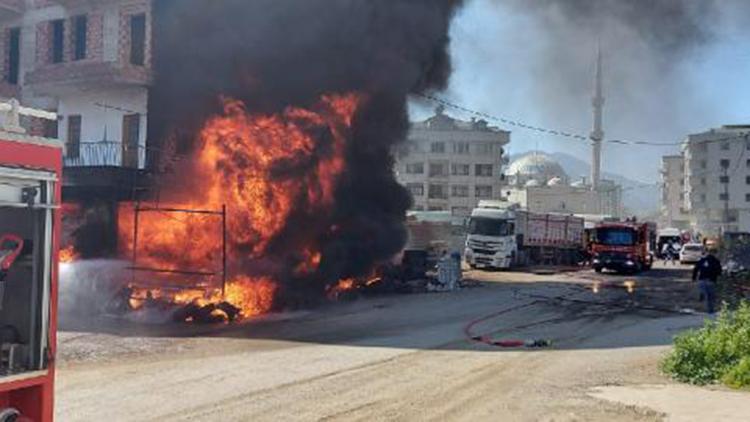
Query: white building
[[538, 183], [449, 164], [90, 61], [717, 179], [673, 211]]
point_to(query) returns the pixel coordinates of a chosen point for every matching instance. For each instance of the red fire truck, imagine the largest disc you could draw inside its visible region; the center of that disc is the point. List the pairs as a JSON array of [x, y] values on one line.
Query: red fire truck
[[30, 179], [622, 246]]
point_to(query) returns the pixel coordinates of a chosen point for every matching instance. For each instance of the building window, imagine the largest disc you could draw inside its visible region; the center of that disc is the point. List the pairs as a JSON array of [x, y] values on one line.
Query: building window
[[460, 191], [414, 168], [14, 56], [747, 163], [131, 134], [723, 197], [704, 164], [50, 129], [732, 216], [438, 170], [138, 39], [682, 182], [416, 189], [723, 179], [484, 148], [703, 181], [436, 208], [73, 141], [724, 163], [483, 191], [460, 169], [703, 198], [437, 147], [483, 170], [438, 192], [80, 31], [460, 147], [747, 197], [57, 41]]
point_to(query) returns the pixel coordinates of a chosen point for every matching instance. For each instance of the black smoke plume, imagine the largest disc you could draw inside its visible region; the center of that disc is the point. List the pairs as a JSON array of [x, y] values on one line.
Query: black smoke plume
[[670, 26], [271, 54]]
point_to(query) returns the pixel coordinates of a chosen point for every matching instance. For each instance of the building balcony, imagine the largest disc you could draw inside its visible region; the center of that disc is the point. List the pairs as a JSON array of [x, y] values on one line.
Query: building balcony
[[106, 154], [11, 9], [106, 170], [61, 78]]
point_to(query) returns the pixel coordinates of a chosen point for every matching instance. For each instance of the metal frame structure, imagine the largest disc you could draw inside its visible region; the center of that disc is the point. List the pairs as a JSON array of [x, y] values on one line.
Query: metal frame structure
[[134, 258]]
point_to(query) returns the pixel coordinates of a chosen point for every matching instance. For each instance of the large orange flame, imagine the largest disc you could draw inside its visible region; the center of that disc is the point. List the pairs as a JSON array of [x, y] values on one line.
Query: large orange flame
[[262, 168]]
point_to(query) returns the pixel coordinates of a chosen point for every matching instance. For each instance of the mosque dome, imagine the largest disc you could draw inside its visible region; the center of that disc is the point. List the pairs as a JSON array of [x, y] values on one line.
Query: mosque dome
[[532, 183], [555, 181], [538, 167]]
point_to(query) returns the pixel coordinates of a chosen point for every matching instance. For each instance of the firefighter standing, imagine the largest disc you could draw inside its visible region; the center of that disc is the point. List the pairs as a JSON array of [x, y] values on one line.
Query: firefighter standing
[[706, 272]]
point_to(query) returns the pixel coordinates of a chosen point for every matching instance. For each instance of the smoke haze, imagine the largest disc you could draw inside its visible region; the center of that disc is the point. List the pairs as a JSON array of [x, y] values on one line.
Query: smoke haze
[[670, 68]]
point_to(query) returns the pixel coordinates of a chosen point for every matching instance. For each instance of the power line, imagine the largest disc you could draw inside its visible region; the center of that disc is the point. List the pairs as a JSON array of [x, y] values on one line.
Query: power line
[[516, 123]]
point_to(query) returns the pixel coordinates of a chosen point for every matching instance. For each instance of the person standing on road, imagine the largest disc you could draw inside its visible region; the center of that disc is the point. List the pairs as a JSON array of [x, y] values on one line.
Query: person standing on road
[[668, 253], [706, 272]]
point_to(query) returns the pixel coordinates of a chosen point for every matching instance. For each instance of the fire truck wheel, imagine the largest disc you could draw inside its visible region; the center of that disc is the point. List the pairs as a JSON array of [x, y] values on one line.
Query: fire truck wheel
[[9, 415]]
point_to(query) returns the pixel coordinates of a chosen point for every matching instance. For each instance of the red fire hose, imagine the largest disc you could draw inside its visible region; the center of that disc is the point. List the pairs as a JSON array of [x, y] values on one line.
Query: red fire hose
[[11, 246]]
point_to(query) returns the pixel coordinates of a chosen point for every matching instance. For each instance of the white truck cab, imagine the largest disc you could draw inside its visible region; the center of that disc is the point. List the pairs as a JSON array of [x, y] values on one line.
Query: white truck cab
[[491, 239]]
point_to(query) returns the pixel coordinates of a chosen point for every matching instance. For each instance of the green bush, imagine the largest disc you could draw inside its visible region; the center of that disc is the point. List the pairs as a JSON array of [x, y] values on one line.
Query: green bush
[[720, 351], [739, 376]]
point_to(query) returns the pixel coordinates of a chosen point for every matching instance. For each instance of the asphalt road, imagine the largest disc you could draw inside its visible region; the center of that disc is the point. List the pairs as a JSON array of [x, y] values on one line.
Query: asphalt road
[[400, 357]]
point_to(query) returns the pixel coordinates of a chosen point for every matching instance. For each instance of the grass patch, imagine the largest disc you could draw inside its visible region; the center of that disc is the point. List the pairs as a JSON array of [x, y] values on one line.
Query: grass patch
[[720, 351]]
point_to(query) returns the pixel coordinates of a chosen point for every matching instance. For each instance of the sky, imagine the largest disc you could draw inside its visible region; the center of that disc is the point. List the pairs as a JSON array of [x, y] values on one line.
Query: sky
[[661, 83]]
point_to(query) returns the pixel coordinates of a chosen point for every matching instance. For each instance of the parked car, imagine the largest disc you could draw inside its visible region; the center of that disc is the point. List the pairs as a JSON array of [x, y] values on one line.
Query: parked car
[[691, 253]]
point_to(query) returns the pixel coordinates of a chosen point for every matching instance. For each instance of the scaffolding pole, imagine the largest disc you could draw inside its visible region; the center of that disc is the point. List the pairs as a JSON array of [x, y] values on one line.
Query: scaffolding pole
[[134, 258]]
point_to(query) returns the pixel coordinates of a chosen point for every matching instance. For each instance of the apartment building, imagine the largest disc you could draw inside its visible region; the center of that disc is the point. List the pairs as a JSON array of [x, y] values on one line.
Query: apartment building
[[91, 62], [449, 164], [717, 179], [673, 212]]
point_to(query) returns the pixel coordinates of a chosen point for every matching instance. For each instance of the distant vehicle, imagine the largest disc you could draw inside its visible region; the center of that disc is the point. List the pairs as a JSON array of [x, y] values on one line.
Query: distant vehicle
[[691, 253], [622, 246], [665, 236], [501, 235]]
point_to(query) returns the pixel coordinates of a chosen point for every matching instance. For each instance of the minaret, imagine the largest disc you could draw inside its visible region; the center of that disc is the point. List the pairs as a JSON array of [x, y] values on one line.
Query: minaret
[[597, 135]]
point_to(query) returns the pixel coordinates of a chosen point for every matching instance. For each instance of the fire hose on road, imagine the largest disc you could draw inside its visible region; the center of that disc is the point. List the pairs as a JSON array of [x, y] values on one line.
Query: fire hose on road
[[538, 299]]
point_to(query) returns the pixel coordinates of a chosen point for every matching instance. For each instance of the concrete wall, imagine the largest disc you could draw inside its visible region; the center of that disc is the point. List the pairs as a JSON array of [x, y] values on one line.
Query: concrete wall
[[560, 199]]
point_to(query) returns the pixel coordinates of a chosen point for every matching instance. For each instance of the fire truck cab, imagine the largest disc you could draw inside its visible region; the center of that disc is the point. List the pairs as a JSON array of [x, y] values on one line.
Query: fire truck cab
[[622, 246], [30, 179]]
